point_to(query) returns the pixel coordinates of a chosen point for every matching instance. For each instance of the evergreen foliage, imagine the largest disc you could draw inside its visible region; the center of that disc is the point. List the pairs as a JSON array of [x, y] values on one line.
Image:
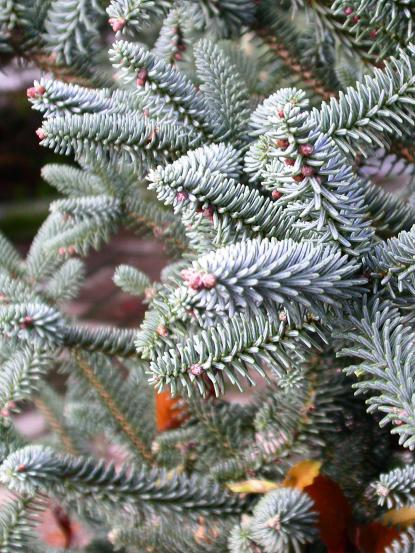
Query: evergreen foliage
[[269, 147]]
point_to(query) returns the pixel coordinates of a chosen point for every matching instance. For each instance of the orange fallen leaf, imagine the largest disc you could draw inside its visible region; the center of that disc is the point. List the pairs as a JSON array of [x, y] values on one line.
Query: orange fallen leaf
[[302, 474], [405, 516], [169, 415], [329, 501], [252, 486]]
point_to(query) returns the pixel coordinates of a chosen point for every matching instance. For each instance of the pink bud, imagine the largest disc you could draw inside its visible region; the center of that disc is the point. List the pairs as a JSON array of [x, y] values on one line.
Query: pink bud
[[41, 134], [306, 149], [307, 171], [355, 19], [117, 23], [373, 34], [276, 195], [71, 250], [348, 10], [149, 293], [182, 196], [208, 212], [209, 281], [62, 251], [186, 274], [162, 330], [35, 91], [196, 369], [195, 282], [281, 114], [142, 77]]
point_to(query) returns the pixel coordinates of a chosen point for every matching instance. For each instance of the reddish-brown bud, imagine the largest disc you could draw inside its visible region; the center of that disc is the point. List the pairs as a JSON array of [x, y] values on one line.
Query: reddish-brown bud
[[208, 212], [27, 322], [289, 161], [307, 171], [276, 195], [306, 149], [196, 282], [281, 113], [142, 77], [298, 178], [355, 19], [282, 144]]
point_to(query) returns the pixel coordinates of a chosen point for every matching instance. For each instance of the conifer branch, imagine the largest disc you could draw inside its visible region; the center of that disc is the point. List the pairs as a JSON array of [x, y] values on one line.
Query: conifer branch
[[112, 405]]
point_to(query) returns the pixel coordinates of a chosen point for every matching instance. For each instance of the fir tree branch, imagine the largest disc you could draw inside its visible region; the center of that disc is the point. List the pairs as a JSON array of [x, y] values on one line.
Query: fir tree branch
[[113, 405], [143, 491]]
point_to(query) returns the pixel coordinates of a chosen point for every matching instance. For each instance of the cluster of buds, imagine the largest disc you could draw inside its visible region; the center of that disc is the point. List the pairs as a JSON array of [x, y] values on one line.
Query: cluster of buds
[[70, 250], [399, 413], [348, 11], [198, 281], [304, 150], [36, 91]]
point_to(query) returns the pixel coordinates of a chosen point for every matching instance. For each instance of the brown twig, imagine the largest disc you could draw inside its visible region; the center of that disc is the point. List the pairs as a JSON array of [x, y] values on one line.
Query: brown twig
[[295, 66], [55, 425], [114, 409]]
